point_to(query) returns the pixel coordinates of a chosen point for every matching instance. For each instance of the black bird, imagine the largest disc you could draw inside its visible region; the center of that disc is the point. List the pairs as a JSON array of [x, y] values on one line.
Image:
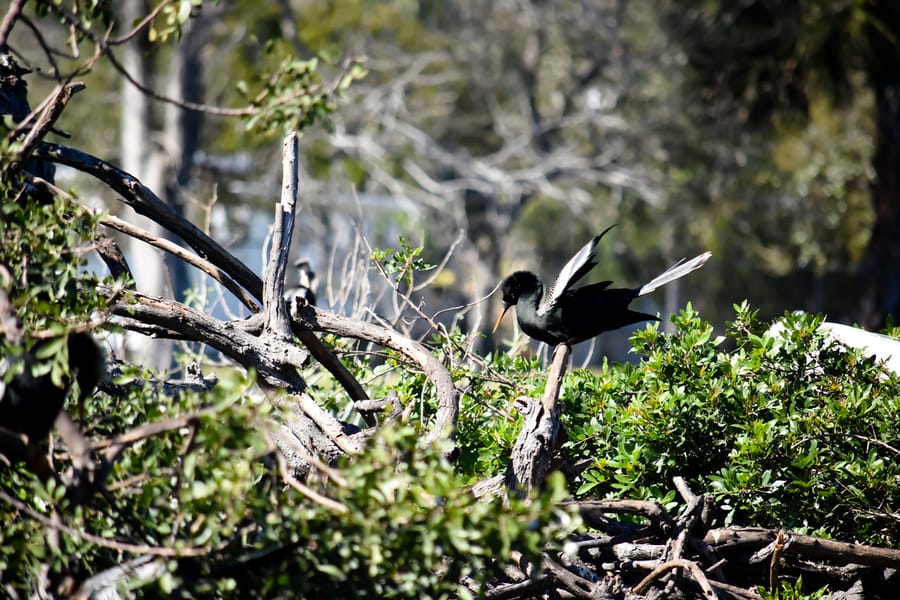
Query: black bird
[[305, 292], [569, 316], [29, 403]]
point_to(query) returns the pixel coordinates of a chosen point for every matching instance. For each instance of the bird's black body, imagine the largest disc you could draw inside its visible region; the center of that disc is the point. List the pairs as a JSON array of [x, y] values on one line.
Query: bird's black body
[[29, 403], [569, 316], [582, 313]]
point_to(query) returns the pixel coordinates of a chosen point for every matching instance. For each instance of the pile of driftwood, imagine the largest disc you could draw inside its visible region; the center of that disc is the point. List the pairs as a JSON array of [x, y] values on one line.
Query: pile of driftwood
[[682, 557], [671, 557]]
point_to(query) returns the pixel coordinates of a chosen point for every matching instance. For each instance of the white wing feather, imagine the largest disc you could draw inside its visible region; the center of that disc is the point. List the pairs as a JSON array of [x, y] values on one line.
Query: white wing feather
[[676, 271], [572, 272]]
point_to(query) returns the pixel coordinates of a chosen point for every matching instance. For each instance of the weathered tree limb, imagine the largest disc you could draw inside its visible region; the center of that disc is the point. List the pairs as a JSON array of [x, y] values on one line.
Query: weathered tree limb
[[194, 381], [108, 583], [696, 519], [531, 454], [575, 584], [678, 563], [330, 362], [84, 474], [174, 249], [593, 511], [275, 361], [734, 538], [46, 116], [114, 259], [734, 590], [106, 247], [276, 319], [527, 588], [145, 202], [447, 415], [9, 19]]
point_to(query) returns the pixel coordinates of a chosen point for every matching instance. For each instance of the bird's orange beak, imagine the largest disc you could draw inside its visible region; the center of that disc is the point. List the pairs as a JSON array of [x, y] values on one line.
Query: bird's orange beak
[[500, 318]]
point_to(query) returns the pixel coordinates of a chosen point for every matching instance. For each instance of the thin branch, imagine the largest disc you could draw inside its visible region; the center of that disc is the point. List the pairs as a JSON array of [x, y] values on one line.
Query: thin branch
[[184, 104], [174, 249], [9, 20], [116, 445], [141, 26], [42, 42], [447, 415], [186, 551], [43, 117], [306, 490]]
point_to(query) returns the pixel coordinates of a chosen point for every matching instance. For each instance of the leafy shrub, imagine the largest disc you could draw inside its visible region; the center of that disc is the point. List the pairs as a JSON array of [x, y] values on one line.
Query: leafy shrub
[[784, 428]]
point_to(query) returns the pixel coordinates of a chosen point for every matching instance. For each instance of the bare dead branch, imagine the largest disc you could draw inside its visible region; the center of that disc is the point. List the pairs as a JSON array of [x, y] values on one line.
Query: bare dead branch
[[276, 319], [46, 115], [168, 552], [536, 443], [114, 259], [147, 203], [305, 489], [735, 538], [9, 20], [276, 361], [577, 585], [680, 563], [83, 477], [174, 249], [107, 583], [115, 446], [593, 510], [444, 426]]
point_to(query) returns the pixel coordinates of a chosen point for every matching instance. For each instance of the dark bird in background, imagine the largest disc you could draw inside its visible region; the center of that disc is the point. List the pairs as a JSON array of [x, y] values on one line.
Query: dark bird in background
[[305, 292], [569, 316], [29, 403]]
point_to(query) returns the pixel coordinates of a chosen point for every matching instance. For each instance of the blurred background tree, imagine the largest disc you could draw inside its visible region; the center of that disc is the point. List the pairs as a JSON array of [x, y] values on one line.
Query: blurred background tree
[[510, 132], [815, 84]]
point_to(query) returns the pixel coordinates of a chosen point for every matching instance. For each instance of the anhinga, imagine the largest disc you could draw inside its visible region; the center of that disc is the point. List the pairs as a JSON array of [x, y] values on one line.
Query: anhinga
[[569, 316]]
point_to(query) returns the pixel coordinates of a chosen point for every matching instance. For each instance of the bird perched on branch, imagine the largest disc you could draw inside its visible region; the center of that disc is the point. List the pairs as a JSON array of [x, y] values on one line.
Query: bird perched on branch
[[305, 292], [569, 316]]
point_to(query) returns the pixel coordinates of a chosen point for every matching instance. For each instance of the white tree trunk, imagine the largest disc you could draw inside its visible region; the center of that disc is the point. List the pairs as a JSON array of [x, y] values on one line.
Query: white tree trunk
[[140, 158]]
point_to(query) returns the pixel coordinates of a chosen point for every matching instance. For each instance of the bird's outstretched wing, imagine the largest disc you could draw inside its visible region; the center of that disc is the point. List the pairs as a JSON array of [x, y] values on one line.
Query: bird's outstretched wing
[[575, 269]]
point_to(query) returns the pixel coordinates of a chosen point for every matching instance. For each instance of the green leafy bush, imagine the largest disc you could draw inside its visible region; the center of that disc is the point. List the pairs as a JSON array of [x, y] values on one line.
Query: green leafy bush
[[210, 491], [784, 428]]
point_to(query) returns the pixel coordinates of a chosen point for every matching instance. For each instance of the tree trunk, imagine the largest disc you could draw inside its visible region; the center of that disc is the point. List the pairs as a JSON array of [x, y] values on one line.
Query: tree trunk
[[138, 157], [181, 128], [880, 270]]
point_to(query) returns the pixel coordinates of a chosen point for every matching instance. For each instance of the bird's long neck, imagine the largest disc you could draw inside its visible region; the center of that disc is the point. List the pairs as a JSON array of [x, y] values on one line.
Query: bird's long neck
[[527, 307]]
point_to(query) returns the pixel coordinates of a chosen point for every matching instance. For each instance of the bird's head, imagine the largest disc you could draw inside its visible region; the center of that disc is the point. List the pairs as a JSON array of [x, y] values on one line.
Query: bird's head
[[520, 283]]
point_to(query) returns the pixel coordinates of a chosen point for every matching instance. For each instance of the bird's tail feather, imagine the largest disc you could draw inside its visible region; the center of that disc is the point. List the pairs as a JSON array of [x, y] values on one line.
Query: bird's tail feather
[[676, 271]]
